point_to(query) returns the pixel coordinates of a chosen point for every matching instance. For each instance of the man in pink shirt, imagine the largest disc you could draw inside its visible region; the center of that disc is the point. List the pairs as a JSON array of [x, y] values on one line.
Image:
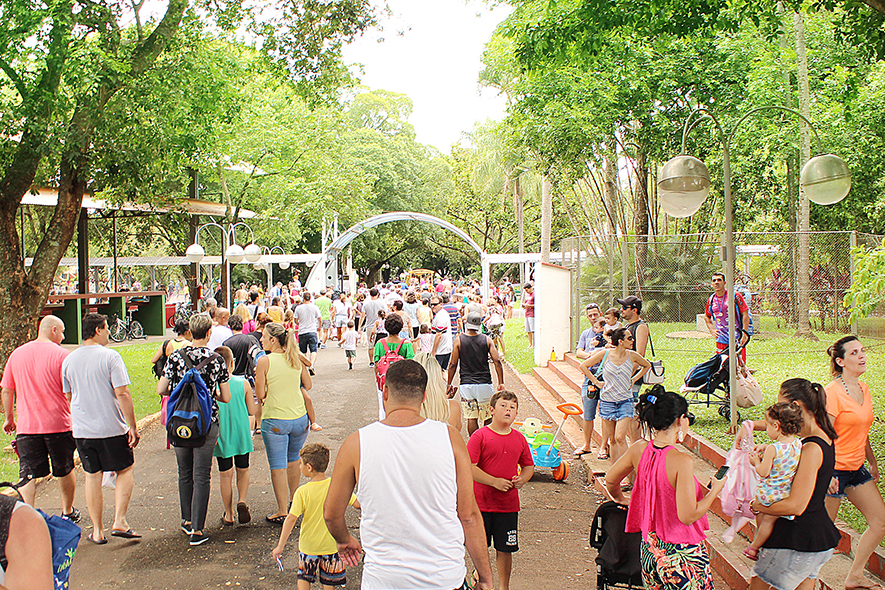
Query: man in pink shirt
[[32, 385]]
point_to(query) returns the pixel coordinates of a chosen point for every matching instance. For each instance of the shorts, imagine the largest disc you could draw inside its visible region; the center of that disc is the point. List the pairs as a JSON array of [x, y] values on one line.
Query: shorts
[[350, 354], [341, 321], [671, 566], [502, 528], [105, 454], [530, 324], [616, 410], [329, 567], [326, 325], [283, 440], [35, 451], [481, 392], [307, 341], [474, 410], [443, 360], [590, 405], [227, 463], [850, 479], [785, 569]]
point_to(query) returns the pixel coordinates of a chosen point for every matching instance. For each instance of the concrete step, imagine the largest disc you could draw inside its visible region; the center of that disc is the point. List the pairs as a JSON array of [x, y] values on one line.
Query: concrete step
[[556, 384]]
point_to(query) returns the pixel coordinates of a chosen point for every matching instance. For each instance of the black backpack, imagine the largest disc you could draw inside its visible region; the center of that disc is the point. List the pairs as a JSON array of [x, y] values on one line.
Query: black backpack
[[160, 364]]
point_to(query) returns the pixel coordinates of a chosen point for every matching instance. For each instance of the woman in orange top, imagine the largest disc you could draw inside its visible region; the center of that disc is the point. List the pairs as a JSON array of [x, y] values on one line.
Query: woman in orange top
[[851, 411]]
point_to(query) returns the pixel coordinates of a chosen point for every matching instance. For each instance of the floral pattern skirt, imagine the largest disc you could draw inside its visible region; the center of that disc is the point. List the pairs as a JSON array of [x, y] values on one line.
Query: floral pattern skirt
[[670, 566]]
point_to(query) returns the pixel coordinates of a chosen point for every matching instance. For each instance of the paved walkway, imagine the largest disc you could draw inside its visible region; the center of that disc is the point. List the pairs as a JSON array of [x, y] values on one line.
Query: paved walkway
[[554, 522]]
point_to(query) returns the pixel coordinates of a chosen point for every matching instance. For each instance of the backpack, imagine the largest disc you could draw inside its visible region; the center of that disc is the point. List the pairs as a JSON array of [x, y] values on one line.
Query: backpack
[[161, 362], [740, 485], [189, 409], [737, 312], [390, 357], [63, 534]]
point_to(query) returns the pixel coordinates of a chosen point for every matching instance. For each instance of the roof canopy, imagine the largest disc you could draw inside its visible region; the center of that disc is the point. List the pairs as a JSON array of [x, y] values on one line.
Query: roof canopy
[[49, 197]]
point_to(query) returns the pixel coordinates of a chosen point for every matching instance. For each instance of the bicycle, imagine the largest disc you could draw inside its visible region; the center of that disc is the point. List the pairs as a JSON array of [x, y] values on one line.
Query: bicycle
[[123, 329], [183, 311]]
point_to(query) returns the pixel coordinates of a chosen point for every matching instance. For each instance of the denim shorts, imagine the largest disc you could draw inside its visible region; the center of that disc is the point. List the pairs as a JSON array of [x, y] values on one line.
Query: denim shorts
[[589, 404], [850, 479], [307, 341], [785, 569], [283, 440], [616, 410]]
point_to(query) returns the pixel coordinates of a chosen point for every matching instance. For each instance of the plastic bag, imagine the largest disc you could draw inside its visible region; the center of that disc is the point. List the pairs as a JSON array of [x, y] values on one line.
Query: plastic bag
[[740, 485], [748, 392]]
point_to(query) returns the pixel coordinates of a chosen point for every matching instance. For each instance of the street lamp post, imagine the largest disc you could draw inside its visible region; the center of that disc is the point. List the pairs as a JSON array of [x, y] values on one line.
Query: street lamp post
[[232, 252], [685, 184], [269, 265]]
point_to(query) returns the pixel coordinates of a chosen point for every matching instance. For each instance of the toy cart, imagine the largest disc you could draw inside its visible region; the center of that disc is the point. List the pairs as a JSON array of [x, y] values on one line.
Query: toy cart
[[544, 446]]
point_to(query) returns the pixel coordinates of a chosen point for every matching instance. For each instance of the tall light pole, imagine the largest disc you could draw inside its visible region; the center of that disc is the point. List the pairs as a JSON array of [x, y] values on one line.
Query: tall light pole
[[685, 183], [269, 265], [232, 252]]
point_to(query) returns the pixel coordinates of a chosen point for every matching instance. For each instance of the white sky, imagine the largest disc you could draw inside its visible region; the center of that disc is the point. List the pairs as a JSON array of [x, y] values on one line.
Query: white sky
[[432, 52]]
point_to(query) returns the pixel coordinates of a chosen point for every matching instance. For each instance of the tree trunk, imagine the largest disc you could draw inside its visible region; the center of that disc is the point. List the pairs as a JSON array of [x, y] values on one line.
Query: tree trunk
[[640, 208], [519, 208], [610, 192], [804, 299], [546, 217]]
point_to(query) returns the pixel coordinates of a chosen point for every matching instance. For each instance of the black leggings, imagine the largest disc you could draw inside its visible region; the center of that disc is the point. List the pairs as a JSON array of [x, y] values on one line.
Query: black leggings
[[227, 463]]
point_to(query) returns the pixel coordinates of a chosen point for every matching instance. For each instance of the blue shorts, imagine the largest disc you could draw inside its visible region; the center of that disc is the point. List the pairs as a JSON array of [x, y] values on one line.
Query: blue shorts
[[589, 404], [785, 569], [613, 410], [283, 440], [850, 479], [306, 341]]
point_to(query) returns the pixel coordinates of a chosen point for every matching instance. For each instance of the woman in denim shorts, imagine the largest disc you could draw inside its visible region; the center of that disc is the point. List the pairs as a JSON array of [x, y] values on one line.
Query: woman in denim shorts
[[797, 549], [621, 369], [850, 407]]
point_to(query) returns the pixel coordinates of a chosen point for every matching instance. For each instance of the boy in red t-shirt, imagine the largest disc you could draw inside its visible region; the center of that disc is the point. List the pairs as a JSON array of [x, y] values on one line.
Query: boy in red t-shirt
[[496, 451]]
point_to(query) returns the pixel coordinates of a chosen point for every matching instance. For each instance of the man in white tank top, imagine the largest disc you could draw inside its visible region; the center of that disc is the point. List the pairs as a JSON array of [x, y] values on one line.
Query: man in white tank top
[[415, 481]]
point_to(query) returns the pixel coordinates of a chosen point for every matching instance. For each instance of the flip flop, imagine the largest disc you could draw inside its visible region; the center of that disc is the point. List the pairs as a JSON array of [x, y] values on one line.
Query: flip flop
[[275, 519], [580, 452], [99, 542], [243, 514], [751, 553], [602, 456], [130, 534]]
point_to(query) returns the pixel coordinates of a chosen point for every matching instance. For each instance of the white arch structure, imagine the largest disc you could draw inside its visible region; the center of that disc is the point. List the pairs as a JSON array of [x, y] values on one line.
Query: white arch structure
[[326, 273]]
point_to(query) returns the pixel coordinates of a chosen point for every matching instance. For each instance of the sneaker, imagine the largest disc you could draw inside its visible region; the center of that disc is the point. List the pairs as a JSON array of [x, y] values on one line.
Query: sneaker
[[198, 538], [371, 364], [73, 515], [322, 345], [186, 528], [311, 371]]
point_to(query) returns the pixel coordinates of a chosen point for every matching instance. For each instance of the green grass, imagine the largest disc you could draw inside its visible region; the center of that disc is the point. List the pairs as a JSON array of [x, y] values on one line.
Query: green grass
[[144, 397], [775, 355]]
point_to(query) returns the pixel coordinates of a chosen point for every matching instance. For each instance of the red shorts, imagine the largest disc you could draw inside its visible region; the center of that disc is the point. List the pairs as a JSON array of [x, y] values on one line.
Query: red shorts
[[723, 347]]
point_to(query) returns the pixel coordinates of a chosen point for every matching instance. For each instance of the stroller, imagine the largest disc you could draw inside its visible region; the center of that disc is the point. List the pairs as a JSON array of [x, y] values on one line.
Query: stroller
[[617, 560], [707, 383]]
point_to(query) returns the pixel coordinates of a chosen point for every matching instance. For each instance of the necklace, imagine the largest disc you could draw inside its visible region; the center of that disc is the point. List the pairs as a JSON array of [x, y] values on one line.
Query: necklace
[[845, 385]]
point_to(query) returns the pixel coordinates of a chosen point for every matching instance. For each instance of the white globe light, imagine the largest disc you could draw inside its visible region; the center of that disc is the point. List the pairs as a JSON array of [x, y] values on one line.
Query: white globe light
[[235, 254], [825, 179], [195, 253], [258, 266], [252, 252], [284, 264], [684, 184]]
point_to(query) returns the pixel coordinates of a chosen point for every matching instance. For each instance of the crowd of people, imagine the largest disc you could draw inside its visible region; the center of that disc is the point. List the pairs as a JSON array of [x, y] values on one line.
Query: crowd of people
[[424, 495]]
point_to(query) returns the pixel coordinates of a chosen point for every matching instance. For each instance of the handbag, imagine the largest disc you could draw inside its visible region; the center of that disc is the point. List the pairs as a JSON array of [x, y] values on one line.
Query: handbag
[[595, 393], [748, 392], [655, 374]]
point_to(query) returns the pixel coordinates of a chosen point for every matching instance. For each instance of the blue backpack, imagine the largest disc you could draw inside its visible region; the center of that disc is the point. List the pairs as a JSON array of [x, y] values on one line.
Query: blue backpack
[[189, 409]]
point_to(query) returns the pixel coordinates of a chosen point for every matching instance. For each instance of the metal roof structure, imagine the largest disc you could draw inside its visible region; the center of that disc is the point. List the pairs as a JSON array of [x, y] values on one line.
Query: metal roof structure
[[49, 197]]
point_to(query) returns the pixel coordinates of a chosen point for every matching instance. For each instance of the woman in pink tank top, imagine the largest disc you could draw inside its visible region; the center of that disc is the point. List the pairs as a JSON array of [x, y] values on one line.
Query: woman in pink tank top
[[668, 504]]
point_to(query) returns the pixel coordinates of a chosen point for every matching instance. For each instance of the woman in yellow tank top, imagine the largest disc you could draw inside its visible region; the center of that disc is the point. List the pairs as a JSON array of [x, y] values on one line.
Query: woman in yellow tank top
[[281, 384]]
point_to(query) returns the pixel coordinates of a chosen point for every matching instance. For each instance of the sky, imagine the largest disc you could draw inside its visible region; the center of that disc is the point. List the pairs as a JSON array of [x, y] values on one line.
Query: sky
[[431, 51]]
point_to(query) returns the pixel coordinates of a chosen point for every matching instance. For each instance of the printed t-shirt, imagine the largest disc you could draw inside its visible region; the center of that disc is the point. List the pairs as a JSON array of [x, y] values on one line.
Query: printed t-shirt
[[90, 374], [214, 373], [717, 309], [325, 304], [33, 370], [498, 455], [405, 351], [852, 423], [442, 324], [314, 538]]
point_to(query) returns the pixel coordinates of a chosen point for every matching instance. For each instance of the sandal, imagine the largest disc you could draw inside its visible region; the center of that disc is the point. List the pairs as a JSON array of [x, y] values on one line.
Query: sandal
[[275, 519], [751, 553], [580, 452], [602, 456]]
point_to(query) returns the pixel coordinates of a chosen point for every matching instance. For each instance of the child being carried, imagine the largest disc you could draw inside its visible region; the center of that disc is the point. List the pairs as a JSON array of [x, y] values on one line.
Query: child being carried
[[776, 464]]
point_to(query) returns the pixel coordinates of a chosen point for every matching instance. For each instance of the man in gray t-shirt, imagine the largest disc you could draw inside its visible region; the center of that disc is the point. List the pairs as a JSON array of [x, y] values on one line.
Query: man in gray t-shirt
[[103, 422], [308, 316]]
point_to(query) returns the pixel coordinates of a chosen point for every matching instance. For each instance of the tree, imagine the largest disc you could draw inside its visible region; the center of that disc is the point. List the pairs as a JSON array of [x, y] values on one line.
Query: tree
[[67, 61]]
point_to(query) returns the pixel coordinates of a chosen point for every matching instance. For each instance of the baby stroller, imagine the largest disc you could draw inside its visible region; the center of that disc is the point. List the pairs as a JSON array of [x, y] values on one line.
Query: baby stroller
[[707, 383], [617, 560]]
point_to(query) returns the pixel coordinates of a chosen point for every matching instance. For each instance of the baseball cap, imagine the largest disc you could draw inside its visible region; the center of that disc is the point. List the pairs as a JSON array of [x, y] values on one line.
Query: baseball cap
[[631, 301], [473, 321]]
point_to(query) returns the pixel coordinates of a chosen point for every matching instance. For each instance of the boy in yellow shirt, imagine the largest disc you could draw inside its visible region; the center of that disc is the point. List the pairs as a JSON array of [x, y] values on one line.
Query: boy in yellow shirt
[[317, 549]]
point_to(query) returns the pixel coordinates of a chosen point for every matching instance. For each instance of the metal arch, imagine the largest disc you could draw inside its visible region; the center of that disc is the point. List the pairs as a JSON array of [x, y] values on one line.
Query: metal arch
[[342, 241], [315, 280]]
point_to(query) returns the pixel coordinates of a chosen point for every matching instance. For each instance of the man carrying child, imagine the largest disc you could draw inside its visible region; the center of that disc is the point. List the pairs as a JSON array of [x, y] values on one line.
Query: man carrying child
[[497, 452]]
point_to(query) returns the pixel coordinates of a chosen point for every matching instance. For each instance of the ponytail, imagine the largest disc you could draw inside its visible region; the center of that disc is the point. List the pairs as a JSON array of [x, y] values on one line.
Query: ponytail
[[287, 341], [658, 409], [814, 398]]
